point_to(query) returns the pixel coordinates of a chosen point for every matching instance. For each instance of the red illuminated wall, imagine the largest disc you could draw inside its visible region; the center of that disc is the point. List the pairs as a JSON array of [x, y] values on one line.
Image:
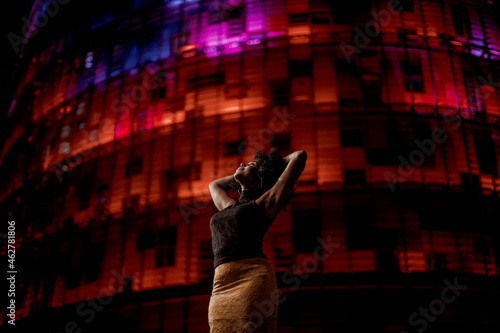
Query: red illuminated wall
[[122, 119]]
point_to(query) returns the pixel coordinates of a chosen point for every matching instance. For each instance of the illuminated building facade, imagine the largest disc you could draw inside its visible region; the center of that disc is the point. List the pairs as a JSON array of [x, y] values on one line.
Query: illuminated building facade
[[126, 111]]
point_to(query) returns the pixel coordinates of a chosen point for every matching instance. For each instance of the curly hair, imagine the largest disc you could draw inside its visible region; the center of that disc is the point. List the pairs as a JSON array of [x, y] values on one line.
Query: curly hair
[[270, 167]]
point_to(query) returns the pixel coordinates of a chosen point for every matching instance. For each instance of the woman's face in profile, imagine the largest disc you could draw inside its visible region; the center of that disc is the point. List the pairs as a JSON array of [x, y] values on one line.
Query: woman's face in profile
[[246, 172]]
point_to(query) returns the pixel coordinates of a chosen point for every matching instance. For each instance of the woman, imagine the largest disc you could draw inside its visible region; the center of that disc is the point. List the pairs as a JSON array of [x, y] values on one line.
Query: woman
[[245, 293]]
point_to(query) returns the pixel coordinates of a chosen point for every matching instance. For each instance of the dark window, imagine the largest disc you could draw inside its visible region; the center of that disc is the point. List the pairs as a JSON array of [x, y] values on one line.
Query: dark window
[[145, 240], [470, 183], [224, 14], [134, 167], [435, 219], [300, 68], [281, 141], [158, 93], [412, 72], [85, 193], [461, 20], [165, 251], [205, 81], [306, 230], [387, 262], [485, 151], [358, 226], [342, 11], [235, 147], [279, 92], [197, 171], [399, 143], [482, 250], [437, 262], [351, 138], [406, 5], [354, 177], [377, 156], [320, 18], [424, 142], [189, 171], [298, 18], [73, 277], [215, 17], [93, 258], [170, 184], [233, 13]]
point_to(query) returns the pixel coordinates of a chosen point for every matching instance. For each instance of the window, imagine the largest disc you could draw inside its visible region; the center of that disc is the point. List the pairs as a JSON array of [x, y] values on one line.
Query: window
[[206, 258], [358, 227], [306, 230], [101, 191], [170, 184], [278, 92], [133, 167], [282, 142], [437, 262], [93, 256], [300, 68], [354, 177], [386, 244], [351, 138], [485, 151], [205, 81], [235, 147], [421, 139], [482, 250], [320, 18], [412, 72], [461, 20], [342, 11], [189, 171], [406, 5], [145, 240], [377, 156], [298, 18], [158, 93], [470, 183], [165, 251], [84, 193], [224, 14]]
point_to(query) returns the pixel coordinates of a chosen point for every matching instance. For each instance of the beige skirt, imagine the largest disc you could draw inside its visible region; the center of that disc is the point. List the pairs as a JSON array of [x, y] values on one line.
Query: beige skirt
[[244, 297]]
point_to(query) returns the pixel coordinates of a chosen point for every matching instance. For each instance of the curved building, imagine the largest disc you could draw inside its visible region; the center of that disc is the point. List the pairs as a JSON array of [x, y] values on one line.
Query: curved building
[[125, 111]]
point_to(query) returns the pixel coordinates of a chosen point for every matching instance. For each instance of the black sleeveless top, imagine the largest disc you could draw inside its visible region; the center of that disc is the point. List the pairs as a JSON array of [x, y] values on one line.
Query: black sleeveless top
[[238, 230]]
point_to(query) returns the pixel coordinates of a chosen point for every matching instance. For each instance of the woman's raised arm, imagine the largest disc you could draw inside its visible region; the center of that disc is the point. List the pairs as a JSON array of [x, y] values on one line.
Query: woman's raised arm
[[273, 200], [219, 196]]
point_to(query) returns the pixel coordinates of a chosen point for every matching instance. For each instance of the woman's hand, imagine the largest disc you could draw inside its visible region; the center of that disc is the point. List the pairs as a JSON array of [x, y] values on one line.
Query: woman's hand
[[273, 201]]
